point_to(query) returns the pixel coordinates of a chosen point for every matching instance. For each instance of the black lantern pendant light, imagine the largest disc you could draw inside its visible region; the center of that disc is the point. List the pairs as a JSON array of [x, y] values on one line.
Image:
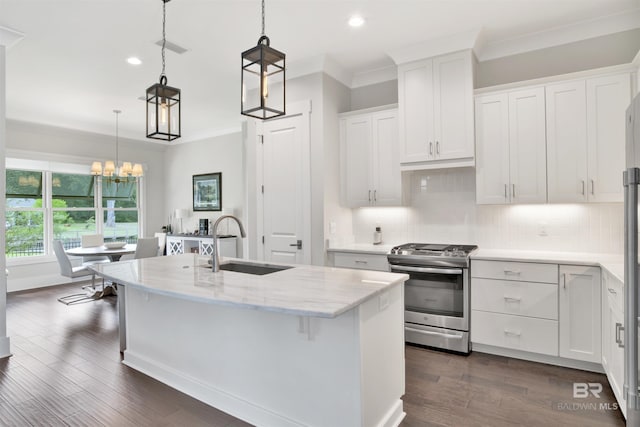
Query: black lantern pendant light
[[263, 80], [163, 102]]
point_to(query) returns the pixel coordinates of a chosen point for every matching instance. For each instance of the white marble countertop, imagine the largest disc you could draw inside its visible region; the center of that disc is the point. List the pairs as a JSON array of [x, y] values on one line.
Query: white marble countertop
[[304, 290], [367, 248], [611, 262]]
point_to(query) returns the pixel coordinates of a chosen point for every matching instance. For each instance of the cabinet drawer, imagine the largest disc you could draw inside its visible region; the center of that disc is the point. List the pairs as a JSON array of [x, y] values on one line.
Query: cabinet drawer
[[517, 271], [519, 298], [361, 261], [515, 332]]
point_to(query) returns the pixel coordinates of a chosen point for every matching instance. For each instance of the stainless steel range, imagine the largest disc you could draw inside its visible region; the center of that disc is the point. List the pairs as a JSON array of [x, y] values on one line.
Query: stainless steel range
[[437, 293]]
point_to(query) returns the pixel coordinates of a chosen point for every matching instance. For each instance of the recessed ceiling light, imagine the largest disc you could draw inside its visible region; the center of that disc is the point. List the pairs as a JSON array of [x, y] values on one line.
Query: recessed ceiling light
[[356, 21], [134, 60]]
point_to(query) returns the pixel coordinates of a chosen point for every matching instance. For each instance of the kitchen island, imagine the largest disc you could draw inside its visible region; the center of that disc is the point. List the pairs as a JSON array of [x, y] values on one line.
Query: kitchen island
[[309, 345]]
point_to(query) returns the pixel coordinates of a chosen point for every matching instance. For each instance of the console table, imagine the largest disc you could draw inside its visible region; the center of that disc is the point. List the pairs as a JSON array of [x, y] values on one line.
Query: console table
[[189, 243]]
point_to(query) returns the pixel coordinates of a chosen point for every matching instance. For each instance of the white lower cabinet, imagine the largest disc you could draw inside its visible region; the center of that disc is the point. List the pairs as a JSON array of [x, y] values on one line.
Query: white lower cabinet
[[361, 261], [515, 332], [613, 335], [514, 305], [580, 317]]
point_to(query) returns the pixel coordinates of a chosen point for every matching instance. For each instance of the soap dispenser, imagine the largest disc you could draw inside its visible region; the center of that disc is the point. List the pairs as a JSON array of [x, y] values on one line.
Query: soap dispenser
[[377, 236]]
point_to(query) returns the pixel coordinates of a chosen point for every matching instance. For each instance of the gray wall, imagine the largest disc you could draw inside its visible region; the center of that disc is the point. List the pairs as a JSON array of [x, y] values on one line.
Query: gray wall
[[374, 95], [613, 49]]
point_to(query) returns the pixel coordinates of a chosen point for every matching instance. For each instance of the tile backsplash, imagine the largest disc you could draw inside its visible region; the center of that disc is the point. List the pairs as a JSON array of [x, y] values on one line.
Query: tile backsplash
[[442, 209]]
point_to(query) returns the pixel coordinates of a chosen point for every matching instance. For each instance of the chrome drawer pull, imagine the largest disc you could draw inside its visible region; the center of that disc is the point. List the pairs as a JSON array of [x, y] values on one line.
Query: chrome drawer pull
[[515, 334], [516, 273], [440, 334], [360, 262], [512, 299], [619, 328]]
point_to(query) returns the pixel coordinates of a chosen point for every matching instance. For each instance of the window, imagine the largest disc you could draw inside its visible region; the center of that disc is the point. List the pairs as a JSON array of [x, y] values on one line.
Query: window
[[25, 214], [45, 205]]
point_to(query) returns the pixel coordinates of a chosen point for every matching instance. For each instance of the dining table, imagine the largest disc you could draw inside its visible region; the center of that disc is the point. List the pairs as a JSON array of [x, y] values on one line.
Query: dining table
[[114, 255]]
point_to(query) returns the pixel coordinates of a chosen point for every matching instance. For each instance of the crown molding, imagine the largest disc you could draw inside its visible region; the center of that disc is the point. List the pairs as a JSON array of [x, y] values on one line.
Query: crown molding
[[435, 47], [379, 75], [319, 64], [575, 32], [9, 37]]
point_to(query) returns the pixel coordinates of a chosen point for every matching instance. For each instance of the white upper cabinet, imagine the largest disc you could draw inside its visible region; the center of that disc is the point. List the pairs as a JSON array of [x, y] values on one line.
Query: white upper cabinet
[[370, 166], [510, 147], [585, 138], [436, 112], [607, 101]]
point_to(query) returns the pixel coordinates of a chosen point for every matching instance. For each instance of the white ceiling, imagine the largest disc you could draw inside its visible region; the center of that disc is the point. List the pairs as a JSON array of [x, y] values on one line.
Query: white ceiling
[[70, 69]]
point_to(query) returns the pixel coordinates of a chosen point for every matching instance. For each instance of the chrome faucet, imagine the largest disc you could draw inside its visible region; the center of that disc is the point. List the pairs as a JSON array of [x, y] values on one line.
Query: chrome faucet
[[215, 259]]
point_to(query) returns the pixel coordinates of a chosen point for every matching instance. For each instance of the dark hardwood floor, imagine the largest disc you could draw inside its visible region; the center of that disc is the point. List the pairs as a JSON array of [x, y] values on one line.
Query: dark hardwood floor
[[66, 370]]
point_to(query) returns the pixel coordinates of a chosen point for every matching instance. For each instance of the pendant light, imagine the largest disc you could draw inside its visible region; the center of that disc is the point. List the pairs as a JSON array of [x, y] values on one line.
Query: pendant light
[[263, 80], [112, 171], [163, 102]]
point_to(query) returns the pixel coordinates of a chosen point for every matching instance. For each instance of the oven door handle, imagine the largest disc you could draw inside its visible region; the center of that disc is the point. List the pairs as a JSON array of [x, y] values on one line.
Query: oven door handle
[[440, 334], [456, 271]]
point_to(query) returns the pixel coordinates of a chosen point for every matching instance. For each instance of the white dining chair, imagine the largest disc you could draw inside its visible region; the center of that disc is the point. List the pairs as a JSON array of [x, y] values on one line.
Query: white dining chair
[[68, 270], [91, 241], [146, 248], [162, 242]]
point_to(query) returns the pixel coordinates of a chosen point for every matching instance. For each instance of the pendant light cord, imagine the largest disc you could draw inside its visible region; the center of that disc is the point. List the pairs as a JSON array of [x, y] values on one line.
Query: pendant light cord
[[117, 114], [164, 39], [263, 33]]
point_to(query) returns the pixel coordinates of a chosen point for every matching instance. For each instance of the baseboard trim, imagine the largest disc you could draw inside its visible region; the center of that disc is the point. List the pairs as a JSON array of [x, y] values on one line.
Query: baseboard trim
[[212, 396], [540, 358], [394, 416]]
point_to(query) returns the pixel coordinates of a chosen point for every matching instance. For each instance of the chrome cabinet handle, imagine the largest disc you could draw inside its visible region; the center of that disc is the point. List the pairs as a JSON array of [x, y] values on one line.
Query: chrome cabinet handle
[[508, 332], [375, 195], [360, 262], [564, 280], [583, 187], [369, 195], [512, 299], [513, 190], [420, 331], [437, 147], [512, 272], [505, 191], [431, 148], [593, 187], [612, 291], [453, 271], [619, 328]]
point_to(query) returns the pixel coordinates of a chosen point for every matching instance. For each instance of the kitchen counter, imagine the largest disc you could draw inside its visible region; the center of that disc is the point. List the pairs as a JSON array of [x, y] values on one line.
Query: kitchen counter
[[303, 290], [298, 347], [611, 262], [362, 248]]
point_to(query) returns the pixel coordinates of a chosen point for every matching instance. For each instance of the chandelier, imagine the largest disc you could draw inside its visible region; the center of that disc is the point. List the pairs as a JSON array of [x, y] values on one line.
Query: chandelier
[[112, 170]]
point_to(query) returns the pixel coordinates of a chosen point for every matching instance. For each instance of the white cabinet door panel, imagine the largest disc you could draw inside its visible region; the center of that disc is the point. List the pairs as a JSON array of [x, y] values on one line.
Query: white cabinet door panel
[[527, 146], [519, 298], [567, 142], [385, 173], [580, 313], [492, 150], [607, 100], [453, 111], [415, 98], [357, 147]]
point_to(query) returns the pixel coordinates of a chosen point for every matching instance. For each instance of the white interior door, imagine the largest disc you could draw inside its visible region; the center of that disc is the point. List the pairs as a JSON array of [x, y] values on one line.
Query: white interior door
[[285, 196]]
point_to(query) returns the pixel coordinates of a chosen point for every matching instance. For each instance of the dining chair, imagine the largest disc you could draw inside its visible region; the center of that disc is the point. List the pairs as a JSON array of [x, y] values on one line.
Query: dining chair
[[68, 270], [90, 241], [162, 242], [146, 248]]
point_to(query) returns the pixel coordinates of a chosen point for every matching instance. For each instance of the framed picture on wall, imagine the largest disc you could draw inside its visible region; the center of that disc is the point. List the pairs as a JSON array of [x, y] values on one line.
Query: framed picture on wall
[[207, 192]]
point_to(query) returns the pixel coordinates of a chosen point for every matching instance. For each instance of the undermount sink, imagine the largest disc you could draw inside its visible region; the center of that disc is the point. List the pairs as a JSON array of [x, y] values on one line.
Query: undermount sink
[[252, 268]]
